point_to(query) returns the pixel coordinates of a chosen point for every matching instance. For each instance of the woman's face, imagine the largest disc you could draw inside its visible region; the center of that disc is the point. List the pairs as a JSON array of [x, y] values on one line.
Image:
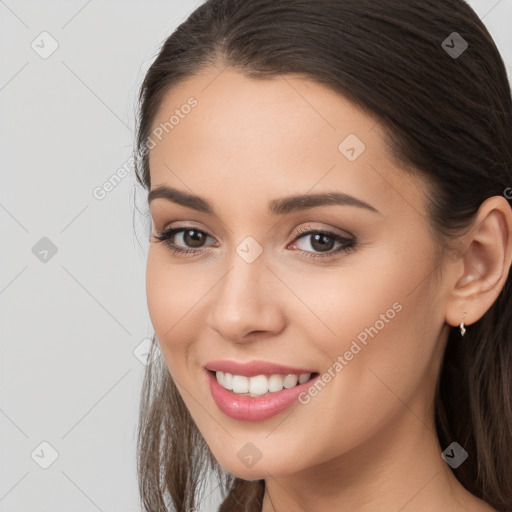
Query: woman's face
[[363, 311]]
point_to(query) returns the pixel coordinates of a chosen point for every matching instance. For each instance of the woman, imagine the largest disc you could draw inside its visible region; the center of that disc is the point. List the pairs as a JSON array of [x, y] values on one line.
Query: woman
[[328, 273]]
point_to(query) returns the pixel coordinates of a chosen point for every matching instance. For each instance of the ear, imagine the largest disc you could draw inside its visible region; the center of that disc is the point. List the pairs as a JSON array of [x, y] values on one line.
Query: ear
[[480, 273]]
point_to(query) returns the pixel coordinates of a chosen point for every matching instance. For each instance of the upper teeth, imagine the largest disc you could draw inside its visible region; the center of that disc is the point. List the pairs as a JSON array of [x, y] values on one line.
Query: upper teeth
[[259, 384]]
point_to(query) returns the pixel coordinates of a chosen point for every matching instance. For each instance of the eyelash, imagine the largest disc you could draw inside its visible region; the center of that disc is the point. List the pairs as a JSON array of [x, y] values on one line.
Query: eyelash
[[348, 244]]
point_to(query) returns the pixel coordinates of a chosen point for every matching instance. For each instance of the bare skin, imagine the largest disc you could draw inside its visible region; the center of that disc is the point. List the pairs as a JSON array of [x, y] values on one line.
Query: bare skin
[[367, 441]]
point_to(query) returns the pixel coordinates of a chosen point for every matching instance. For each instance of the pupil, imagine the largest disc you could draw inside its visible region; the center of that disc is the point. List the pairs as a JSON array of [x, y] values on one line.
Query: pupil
[[322, 240], [194, 238]]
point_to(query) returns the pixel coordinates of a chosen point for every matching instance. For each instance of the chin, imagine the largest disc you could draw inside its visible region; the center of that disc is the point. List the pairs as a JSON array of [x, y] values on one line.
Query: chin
[[259, 470]]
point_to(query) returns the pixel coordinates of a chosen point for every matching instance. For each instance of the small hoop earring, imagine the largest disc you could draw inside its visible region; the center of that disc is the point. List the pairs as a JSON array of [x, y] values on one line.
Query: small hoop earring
[[461, 327]]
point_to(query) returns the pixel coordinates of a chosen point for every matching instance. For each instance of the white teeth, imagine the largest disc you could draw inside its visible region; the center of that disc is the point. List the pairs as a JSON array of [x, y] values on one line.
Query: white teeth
[[275, 383], [260, 384], [304, 377], [228, 381], [290, 381], [240, 384]]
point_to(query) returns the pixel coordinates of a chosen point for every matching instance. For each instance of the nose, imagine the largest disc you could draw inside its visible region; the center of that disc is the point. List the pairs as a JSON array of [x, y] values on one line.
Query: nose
[[246, 301]]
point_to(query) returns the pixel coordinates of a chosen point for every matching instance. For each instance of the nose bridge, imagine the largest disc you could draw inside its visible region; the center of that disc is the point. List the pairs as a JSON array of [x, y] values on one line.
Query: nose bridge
[[240, 302]]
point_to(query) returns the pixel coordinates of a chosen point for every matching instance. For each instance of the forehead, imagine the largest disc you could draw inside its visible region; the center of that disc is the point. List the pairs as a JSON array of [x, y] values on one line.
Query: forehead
[[271, 135]]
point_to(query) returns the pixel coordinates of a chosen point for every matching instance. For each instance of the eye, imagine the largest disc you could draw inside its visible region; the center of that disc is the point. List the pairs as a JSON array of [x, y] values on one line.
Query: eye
[[189, 235], [193, 240], [324, 242]]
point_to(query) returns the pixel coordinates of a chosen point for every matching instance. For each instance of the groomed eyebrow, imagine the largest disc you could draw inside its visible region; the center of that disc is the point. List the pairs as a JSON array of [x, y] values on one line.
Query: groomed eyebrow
[[279, 206]]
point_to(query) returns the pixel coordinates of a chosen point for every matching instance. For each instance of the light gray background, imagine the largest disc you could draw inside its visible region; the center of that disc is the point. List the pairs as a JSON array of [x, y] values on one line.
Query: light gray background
[[71, 327]]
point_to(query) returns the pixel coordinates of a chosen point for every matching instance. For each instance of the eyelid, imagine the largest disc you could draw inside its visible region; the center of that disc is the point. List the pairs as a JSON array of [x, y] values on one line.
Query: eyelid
[[347, 244], [295, 233], [331, 231]]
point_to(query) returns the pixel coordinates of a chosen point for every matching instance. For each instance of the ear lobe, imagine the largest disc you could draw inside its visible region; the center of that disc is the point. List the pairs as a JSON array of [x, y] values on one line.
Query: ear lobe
[[482, 271]]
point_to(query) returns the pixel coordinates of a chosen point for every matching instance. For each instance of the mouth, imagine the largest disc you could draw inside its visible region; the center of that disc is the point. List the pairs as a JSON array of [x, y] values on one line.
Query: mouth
[[260, 385], [258, 396]]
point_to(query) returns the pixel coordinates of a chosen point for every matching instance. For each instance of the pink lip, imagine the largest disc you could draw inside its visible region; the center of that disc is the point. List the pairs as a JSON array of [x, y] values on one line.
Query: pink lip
[[254, 368], [246, 408]]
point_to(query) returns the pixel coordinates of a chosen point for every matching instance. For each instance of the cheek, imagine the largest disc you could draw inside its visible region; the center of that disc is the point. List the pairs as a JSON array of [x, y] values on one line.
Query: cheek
[[378, 323], [170, 288], [157, 282], [166, 292], [377, 320], [175, 298], [348, 300]]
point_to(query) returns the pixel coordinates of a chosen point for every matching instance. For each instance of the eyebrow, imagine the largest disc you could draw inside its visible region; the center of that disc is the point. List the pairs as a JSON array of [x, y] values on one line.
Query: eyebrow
[[280, 206]]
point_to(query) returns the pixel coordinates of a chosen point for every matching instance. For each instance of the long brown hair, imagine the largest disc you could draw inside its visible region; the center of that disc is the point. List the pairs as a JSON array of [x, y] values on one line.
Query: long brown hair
[[447, 116]]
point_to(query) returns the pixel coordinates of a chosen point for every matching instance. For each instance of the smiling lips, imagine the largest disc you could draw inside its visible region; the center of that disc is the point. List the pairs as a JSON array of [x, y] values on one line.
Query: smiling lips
[[257, 378], [260, 384], [256, 390]]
